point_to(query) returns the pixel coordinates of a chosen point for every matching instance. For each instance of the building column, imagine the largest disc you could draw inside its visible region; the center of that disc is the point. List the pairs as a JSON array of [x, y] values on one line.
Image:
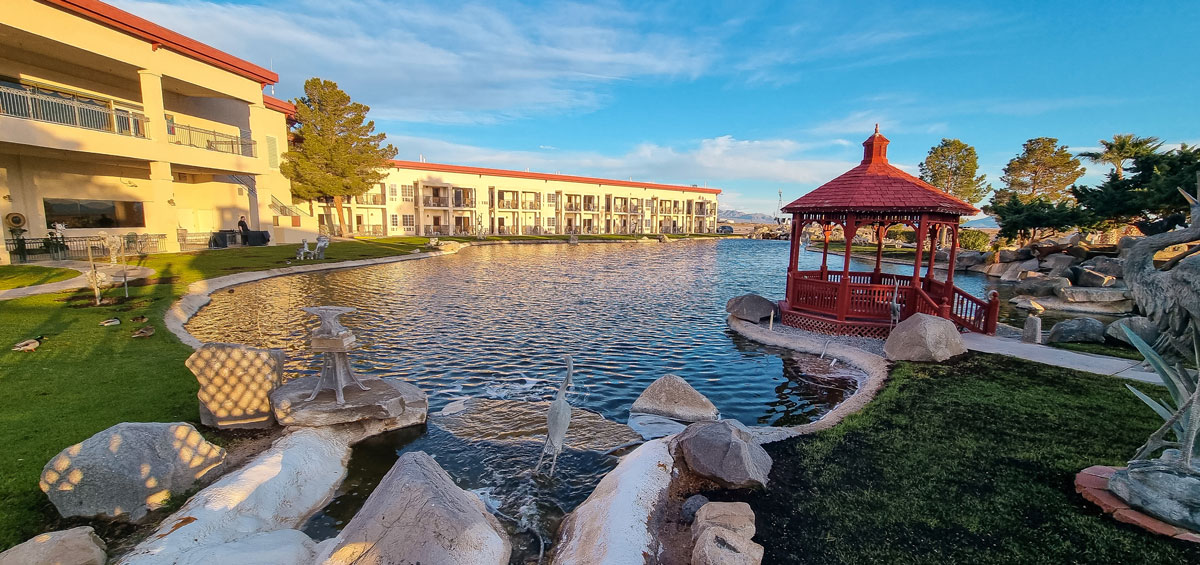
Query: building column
[[161, 216], [152, 105]]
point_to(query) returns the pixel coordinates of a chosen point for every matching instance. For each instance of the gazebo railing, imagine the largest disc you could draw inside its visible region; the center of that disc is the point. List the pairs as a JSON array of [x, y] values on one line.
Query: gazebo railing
[[872, 295]]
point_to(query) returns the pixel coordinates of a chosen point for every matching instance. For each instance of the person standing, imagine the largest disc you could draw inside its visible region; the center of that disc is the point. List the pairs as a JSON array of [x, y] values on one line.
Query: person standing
[[245, 229]]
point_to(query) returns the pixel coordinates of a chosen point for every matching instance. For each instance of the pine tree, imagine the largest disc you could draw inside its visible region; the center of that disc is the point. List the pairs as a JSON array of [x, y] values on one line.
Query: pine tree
[[951, 166], [1044, 169], [337, 154]]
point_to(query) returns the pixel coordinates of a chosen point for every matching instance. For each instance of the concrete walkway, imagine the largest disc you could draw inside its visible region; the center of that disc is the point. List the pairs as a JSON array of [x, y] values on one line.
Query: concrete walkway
[[1100, 364], [113, 271]]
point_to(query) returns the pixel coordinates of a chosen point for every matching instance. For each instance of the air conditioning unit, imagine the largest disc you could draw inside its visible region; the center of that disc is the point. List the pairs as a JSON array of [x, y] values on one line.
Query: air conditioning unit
[[15, 220]]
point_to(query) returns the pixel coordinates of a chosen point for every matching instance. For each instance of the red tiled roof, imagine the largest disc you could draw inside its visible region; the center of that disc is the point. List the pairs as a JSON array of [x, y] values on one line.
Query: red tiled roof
[[159, 36], [876, 186], [544, 176]]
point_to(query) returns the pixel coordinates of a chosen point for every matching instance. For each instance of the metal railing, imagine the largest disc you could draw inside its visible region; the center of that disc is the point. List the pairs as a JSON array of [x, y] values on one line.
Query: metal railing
[[282, 209], [573, 230], [531, 205], [591, 206], [370, 199], [96, 115], [571, 207], [437, 230], [508, 204], [531, 230], [635, 208], [25, 249], [620, 208], [435, 201], [506, 230], [464, 202], [180, 134]]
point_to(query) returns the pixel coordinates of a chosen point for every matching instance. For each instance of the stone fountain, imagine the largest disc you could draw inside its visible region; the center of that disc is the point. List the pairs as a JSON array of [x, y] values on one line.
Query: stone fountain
[[333, 341]]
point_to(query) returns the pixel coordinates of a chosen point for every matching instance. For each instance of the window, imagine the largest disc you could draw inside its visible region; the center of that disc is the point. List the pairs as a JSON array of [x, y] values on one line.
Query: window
[[409, 220], [406, 193], [392, 191], [647, 223], [94, 213], [552, 199], [550, 222], [395, 221]]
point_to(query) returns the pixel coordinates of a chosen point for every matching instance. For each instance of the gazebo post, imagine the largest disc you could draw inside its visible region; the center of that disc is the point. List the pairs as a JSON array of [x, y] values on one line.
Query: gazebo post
[[793, 261], [922, 230], [877, 278], [948, 299], [933, 235], [848, 231], [825, 253]]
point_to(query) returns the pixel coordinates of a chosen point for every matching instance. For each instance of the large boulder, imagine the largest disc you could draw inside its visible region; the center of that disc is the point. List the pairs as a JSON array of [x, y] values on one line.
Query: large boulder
[[1007, 255], [1041, 286], [1032, 332], [1027, 303], [616, 523], [1090, 278], [1141, 326], [1107, 266], [128, 470], [76, 546], [1092, 294], [724, 452], [1015, 270], [736, 517], [1078, 330], [1160, 490], [752, 308], [967, 259], [258, 505], [922, 337], [236, 382], [718, 546], [673, 397], [418, 515], [996, 269], [1056, 265], [391, 400], [1042, 249]]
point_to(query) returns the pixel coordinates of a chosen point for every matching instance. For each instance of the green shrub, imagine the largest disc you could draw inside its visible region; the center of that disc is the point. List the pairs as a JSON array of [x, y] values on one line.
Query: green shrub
[[902, 233], [974, 239]]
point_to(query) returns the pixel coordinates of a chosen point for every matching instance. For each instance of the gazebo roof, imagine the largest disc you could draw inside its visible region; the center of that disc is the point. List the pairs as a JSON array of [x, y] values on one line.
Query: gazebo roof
[[876, 186]]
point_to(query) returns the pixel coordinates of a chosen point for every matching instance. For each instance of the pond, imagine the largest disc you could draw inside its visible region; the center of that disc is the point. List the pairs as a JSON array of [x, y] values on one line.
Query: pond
[[496, 322]]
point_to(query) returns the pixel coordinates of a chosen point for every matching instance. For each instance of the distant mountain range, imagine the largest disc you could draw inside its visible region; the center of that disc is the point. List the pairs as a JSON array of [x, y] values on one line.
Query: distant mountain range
[[745, 217], [982, 223]]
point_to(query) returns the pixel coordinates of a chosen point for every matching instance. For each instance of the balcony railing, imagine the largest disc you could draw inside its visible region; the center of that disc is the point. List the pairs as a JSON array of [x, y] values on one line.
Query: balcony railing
[[506, 230], [370, 199], [464, 202], [531, 230], [435, 202], [180, 134], [372, 230], [571, 207], [572, 230], [590, 206], [508, 204], [93, 115], [437, 230], [620, 208], [635, 208], [531, 205]]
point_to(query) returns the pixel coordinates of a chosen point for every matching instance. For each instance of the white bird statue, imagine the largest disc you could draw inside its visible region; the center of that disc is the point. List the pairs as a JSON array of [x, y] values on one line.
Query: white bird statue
[[896, 307], [558, 419]]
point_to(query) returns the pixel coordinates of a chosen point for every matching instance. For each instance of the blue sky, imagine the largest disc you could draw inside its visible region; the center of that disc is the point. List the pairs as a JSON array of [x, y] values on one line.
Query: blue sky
[[747, 96]]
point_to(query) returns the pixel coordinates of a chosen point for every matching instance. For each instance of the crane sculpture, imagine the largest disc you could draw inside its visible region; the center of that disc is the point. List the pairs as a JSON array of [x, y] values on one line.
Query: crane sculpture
[[1170, 295], [558, 419]]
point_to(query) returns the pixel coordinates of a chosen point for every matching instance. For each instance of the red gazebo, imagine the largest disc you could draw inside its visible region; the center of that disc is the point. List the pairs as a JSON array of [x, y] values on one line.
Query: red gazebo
[[861, 303]]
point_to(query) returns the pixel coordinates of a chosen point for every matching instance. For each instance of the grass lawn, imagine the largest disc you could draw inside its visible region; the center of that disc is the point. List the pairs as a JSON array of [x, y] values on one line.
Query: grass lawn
[[1124, 352], [970, 461], [85, 378], [17, 276]]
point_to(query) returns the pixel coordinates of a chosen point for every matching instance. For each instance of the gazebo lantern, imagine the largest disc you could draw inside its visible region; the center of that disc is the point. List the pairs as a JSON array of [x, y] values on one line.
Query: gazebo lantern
[[877, 195]]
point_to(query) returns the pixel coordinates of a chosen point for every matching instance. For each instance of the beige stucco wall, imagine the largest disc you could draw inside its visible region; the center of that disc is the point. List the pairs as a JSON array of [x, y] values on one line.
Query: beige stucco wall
[[52, 48]]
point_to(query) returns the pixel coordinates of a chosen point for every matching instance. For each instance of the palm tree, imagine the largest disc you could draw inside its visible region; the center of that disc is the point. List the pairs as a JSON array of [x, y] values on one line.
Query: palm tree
[[1123, 147]]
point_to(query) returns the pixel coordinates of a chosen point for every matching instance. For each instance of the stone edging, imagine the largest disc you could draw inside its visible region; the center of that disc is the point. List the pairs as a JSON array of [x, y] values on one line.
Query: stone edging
[[198, 292], [1092, 483], [874, 366]]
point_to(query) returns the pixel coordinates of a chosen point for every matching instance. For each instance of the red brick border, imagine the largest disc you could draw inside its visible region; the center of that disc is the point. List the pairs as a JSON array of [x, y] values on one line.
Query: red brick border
[[1092, 483]]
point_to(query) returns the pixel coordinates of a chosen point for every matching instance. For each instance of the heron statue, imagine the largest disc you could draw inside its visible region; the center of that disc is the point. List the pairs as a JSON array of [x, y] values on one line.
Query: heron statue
[[558, 419], [896, 308]]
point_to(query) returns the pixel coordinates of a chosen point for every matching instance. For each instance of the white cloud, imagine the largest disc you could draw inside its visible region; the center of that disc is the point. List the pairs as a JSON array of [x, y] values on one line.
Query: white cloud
[[469, 63]]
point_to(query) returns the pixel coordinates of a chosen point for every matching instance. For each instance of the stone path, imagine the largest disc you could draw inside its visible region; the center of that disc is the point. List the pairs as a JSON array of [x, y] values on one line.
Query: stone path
[[81, 281], [1100, 364]]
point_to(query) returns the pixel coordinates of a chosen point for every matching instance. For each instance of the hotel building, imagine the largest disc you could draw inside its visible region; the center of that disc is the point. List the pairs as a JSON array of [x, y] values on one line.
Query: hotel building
[[429, 199], [111, 123]]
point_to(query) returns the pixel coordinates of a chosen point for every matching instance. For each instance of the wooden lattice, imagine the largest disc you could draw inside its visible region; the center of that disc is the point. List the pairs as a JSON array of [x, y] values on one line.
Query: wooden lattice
[[835, 327]]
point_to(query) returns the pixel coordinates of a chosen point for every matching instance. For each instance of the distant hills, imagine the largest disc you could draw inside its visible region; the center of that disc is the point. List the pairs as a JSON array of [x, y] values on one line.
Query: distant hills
[[988, 222], [745, 217]]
